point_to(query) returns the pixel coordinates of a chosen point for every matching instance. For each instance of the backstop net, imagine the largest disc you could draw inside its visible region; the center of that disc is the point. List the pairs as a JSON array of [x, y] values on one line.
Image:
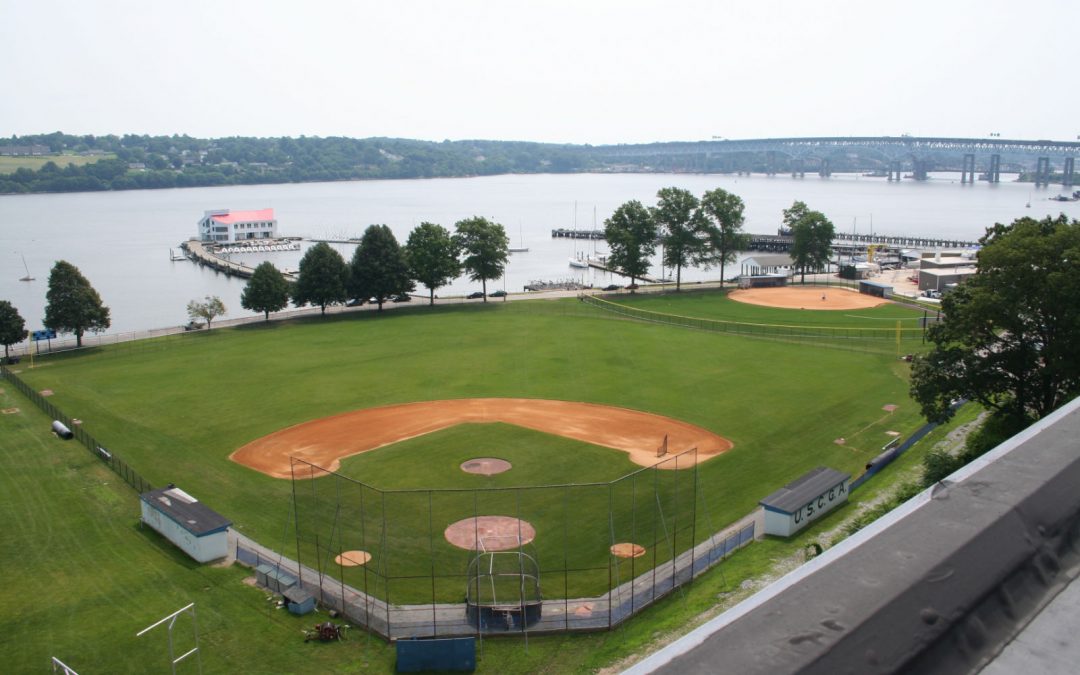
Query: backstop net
[[423, 563]]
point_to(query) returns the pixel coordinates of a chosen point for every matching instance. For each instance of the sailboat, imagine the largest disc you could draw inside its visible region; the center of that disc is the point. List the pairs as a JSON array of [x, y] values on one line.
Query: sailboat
[[1028, 205], [577, 260], [521, 239], [27, 277]]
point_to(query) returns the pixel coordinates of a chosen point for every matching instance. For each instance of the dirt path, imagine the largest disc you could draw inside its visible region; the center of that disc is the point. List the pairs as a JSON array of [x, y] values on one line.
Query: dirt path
[[326, 441]]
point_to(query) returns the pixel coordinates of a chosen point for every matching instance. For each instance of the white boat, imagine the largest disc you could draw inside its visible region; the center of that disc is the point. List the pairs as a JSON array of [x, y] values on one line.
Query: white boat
[[578, 262], [27, 277], [522, 248]]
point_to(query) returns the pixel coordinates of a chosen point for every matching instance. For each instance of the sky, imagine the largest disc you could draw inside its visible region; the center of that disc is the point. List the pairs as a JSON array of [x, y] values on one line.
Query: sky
[[583, 72]]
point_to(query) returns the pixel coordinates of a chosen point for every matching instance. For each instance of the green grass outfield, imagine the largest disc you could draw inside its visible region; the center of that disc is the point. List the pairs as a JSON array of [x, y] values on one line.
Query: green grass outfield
[[176, 412]]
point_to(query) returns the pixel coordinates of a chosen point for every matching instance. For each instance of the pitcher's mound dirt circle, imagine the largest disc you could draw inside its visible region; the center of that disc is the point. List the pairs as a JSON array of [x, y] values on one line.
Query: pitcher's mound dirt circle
[[490, 533], [627, 550], [818, 297], [352, 558], [486, 466]]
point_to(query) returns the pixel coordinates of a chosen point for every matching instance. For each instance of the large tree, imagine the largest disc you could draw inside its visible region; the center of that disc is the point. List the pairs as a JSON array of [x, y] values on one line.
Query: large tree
[[266, 291], [324, 275], [378, 268], [1010, 334], [724, 212], [12, 326], [73, 304], [813, 234], [433, 257], [485, 246], [210, 308], [631, 237], [682, 229]]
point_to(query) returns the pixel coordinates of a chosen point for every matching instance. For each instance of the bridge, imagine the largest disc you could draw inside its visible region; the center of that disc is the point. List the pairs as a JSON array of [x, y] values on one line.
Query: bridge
[[888, 156]]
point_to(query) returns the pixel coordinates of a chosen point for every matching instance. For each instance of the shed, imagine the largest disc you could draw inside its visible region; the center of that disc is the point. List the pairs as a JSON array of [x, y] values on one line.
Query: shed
[[185, 521], [298, 600], [876, 289], [799, 503]]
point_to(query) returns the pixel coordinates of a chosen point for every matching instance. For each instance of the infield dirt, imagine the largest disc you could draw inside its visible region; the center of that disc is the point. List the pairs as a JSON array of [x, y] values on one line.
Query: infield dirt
[[325, 442], [818, 297]]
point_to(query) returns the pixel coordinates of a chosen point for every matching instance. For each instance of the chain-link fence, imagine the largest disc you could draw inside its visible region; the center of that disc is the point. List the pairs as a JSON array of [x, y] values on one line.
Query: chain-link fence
[[895, 339], [119, 466]]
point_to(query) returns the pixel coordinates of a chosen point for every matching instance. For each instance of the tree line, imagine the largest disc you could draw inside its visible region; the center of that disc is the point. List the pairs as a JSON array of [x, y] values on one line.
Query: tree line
[[183, 161], [705, 232]]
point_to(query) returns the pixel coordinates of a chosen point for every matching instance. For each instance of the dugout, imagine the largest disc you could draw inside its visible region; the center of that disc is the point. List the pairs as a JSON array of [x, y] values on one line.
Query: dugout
[[801, 502], [875, 289], [185, 521]]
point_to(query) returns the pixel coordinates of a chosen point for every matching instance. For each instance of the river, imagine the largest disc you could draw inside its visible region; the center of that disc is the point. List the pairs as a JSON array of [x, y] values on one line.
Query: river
[[121, 240]]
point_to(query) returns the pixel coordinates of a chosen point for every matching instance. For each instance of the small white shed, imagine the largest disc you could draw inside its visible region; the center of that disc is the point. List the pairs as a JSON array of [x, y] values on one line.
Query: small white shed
[[799, 503], [185, 521]]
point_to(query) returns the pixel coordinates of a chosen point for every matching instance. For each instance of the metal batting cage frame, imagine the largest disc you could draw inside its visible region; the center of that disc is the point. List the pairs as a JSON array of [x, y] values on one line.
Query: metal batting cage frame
[[566, 577]]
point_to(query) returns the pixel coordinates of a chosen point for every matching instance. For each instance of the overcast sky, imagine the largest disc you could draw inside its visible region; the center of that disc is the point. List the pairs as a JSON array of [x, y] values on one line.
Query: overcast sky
[[584, 71]]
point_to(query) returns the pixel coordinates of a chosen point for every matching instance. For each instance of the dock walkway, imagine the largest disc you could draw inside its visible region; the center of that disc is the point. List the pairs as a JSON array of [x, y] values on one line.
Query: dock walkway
[[198, 252]]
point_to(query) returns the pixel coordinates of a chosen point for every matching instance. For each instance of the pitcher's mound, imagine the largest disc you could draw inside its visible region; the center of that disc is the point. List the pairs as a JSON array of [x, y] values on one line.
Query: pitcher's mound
[[490, 533], [352, 558], [486, 466]]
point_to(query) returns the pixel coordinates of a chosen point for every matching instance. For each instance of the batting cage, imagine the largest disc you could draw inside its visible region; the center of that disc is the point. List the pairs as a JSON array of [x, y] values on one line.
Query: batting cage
[[423, 563]]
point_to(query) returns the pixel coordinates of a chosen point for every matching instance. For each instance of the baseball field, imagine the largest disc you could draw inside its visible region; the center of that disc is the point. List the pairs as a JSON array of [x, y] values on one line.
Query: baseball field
[[185, 411]]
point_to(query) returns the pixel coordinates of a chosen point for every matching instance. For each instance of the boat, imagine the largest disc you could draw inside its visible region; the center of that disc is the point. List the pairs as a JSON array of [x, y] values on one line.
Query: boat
[[577, 260], [27, 277], [521, 239]]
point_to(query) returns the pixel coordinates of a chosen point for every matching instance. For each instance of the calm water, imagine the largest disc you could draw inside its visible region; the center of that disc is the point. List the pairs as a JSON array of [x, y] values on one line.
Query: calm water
[[121, 240]]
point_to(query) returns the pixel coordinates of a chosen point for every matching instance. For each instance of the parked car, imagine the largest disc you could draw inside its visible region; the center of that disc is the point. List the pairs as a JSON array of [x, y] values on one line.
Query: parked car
[[499, 294], [404, 297], [611, 287], [474, 295], [355, 302], [193, 325]]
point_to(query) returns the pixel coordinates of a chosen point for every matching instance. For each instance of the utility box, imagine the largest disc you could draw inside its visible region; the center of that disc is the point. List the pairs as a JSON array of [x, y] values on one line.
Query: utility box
[[298, 601]]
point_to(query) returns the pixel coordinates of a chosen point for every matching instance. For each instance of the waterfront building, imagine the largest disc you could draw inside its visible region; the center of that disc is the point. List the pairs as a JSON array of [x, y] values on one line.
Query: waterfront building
[[223, 226]]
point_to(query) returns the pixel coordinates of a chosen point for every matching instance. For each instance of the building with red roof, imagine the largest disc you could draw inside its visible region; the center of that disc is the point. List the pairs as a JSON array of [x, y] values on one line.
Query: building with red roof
[[222, 226]]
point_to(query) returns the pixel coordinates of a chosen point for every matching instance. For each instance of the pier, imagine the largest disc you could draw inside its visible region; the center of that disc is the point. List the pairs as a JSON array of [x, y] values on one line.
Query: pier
[[564, 233], [203, 255]]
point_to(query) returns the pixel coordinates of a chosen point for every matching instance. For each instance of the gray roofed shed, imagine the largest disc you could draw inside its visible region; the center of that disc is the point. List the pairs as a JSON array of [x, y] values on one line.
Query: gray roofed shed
[[795, 505], [200, 531], [185, 511]]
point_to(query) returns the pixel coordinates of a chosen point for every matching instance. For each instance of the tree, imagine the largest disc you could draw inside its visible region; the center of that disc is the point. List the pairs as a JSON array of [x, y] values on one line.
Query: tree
[[682, 229], [1010, 332], [12, 326], [486, 248], [323, 277], [379, 269], [266, 291], [631, 236], [724, 212], [813, 234], [432, 255], [73, 304], [209, 309]]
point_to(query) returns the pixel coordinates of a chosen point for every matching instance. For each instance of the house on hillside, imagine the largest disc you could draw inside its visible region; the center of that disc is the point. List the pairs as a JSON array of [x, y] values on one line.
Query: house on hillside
[[223, 226]]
